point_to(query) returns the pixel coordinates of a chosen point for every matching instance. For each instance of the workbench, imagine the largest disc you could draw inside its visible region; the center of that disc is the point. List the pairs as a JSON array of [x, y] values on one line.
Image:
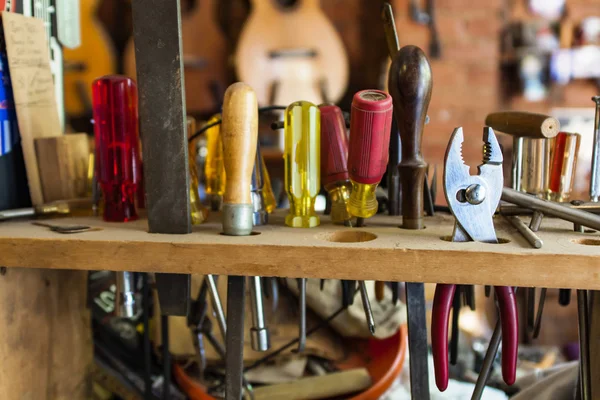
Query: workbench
[[379, 251]]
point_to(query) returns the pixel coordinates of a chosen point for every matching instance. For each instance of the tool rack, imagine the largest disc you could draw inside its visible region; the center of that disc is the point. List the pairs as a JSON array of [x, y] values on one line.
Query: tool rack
[[379, 251]]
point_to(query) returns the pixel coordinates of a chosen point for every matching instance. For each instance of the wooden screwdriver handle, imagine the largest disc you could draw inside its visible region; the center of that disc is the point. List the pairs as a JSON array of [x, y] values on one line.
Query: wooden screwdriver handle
[[410, 85], [524, 124], [239, 131]]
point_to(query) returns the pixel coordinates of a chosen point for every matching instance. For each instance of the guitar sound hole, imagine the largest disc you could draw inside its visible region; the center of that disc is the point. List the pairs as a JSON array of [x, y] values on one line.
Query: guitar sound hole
[[287, 4]]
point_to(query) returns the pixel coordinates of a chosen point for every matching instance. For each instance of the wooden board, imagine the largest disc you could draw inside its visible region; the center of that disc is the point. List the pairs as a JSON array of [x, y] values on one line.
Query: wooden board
[[395, 254], [46, 350]]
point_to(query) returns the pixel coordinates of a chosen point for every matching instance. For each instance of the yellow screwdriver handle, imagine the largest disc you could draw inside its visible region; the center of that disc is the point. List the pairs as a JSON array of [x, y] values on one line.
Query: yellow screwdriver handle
[[239, 131]]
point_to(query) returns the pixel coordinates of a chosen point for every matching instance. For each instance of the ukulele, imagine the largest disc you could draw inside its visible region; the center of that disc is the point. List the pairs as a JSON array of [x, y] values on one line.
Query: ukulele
[[82, 65], [204, 57], [288, 51]]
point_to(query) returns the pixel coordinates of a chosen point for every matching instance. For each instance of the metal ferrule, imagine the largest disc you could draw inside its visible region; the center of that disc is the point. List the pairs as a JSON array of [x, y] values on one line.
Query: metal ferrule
[[127, 299], [237, 219]]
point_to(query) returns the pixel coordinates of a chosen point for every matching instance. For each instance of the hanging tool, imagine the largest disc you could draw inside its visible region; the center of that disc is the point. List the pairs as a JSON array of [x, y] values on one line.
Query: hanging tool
[[410, 85], [520, 125], [213, 168], [239, 134], [127, 300], [370, 126], [334, 162], [302, 130], [584, 344], [427, 17], [217, 306], [595, 177], [472, 201], [259, 334]]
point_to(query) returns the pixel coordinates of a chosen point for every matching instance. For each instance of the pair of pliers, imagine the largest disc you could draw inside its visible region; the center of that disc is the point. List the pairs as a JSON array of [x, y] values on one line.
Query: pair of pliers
[[473, 201]]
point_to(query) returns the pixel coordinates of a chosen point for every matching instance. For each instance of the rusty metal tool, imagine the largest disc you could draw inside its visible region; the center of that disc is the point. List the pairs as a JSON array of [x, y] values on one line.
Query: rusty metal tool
[[239, 134], [473, 201]]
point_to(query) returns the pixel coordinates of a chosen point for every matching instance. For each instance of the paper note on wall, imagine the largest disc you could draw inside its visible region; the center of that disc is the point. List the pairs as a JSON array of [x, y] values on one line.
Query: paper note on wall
[[33, 87]]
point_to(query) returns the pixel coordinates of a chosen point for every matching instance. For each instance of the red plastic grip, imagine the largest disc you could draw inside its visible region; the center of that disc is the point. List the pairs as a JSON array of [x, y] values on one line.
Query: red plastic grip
[[370, 126], [442, 303], [115, 111], [334, 145]]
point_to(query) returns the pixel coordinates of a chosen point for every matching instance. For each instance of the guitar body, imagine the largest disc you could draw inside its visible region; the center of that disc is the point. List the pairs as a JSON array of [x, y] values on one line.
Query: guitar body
[[290, 53], [204, 58], [93, 59]]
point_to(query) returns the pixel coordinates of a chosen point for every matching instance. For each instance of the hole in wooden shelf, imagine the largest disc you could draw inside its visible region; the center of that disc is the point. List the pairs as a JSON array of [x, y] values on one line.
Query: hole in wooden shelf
[[587, 242], [500, 240], [253, 233], [348, 236]]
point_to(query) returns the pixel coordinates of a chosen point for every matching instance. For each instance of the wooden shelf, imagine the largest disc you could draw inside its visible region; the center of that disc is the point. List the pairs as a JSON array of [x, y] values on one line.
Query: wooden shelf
[[396, 254]]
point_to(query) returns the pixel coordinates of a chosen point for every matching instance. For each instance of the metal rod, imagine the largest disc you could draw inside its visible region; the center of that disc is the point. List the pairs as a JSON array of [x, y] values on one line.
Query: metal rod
[[127, 305], [146, 337], [533, 239], [234, 356], [259, 334], [538, 319], [536, 221], [417, 340], [551, 208], [215, 300], [302, 323], [509, 209], [166, 357], [584, 342], [517, 162], [364, 295], [488, 361]]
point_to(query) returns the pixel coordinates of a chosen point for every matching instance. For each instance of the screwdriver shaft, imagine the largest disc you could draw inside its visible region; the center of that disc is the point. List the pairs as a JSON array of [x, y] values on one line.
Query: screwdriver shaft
[[364, 295], [302, 324], [216, 304]]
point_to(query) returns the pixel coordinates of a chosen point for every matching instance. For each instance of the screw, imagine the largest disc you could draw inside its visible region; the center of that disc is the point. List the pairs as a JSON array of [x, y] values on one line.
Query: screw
[[475, 194]]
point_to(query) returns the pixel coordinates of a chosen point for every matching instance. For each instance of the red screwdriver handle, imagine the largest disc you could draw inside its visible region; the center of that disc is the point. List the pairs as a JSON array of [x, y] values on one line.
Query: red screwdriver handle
[[370, 126], [334, 145]]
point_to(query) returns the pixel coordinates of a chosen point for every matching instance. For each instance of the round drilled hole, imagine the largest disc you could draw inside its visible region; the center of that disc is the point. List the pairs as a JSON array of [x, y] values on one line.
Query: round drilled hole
[[500, 240], [348, 236], [253, 233], [587, 242]]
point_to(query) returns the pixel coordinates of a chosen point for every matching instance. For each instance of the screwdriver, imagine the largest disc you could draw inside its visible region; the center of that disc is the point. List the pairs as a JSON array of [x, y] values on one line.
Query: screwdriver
[[213, 168], [239, 136], [563, 165], [334, 162], [268, 196], [199, 213], [370, 126], [302, 131]]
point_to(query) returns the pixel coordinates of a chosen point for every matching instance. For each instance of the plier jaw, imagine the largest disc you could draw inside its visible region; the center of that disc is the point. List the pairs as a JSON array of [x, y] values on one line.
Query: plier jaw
[[473, 199]]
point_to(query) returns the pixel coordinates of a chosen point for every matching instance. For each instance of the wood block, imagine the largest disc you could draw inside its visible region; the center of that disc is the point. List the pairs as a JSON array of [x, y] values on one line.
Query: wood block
[[63, 163]]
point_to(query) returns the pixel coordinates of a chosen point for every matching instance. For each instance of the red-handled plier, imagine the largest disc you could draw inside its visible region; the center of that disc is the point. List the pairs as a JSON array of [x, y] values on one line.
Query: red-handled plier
[[473, 201]]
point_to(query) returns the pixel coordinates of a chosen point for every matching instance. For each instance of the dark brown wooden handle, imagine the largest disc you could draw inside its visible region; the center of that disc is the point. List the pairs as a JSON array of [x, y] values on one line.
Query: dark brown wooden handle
[[524, 124], [410, 85]]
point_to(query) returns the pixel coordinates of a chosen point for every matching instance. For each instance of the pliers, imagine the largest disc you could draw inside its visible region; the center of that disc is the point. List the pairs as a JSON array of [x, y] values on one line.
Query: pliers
[[473, 201]]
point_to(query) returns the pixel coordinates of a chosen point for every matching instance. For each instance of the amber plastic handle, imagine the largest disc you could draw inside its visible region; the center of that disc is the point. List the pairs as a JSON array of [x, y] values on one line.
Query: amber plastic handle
[[524, 124], [410, 86], [239, 131]]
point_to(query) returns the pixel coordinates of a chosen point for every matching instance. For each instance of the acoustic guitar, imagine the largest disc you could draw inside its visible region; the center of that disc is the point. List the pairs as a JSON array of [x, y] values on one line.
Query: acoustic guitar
[[94, 58], [204, 57], [288, 51]]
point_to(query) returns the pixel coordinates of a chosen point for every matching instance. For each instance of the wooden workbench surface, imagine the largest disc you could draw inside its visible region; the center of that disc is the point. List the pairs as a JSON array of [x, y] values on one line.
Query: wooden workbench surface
[[393, 254]]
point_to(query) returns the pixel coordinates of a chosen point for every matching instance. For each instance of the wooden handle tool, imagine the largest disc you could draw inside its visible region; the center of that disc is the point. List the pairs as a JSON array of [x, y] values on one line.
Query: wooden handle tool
[[410, 86], [524, 124], [239, 131]]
